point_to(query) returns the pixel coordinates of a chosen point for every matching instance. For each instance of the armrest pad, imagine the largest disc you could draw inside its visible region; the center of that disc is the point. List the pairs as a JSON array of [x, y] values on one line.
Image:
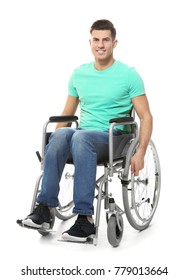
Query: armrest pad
[[120, 120], [63, 118]]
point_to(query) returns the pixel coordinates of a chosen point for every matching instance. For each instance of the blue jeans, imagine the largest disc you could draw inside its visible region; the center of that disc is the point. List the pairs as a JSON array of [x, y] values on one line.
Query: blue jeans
[[85, 147]]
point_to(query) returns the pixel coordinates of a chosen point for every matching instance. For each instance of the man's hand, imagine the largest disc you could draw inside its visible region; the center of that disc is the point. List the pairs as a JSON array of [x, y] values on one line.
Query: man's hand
[[137, 163]]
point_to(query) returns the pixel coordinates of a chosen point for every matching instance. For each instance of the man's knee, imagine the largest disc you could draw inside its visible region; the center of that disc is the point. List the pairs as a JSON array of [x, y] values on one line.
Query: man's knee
[[60, 137], [61, 134], [81, 142], [81, 138]]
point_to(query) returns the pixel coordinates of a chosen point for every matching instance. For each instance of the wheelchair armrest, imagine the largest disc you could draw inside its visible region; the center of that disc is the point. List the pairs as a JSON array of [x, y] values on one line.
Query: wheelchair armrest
[[63, 119], [122, 120]]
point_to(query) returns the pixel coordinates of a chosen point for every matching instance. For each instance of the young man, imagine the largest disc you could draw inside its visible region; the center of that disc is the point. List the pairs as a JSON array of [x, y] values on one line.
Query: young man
[[104, 89]]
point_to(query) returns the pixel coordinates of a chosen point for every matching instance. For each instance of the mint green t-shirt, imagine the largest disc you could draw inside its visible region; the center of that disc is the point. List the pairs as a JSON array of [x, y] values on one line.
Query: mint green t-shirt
[[105, 94]]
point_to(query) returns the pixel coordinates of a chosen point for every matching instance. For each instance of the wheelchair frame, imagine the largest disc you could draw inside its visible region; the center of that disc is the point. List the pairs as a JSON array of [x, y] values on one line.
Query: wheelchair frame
[[139, 203]]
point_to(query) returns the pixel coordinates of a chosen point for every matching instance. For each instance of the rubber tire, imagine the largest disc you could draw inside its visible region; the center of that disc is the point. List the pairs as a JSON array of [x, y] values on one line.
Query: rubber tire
[[113, 231], [126, 191]]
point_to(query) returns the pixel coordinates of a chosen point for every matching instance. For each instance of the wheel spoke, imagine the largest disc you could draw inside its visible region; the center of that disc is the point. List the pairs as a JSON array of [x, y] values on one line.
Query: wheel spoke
[[64, 209], [142, 192]]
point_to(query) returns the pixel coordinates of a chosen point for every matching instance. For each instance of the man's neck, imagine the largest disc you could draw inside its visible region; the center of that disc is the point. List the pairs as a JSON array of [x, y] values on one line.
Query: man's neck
[[102, 65]]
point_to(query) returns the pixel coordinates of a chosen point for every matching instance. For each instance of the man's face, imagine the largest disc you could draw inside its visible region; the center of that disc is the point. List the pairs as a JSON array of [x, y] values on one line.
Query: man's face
[[102, 44]]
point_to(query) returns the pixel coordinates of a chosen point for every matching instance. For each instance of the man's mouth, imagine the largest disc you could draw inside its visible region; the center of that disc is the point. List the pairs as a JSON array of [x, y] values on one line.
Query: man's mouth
[[100, 51]]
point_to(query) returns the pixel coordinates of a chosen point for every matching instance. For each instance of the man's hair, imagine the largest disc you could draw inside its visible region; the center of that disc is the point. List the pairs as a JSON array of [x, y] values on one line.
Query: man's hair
[[104, 24]]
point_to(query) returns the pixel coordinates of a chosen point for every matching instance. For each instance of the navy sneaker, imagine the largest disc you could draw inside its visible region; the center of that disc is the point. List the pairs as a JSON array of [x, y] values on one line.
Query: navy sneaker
[[39, 218], [80, 231]]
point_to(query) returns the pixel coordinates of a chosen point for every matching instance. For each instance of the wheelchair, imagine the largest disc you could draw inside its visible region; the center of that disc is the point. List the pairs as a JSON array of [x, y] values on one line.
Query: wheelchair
[[140, 194]]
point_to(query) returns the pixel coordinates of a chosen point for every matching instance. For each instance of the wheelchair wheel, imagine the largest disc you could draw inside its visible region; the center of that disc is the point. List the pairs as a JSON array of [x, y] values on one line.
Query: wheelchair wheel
[[115, 231], [65, 207], [141, 193]]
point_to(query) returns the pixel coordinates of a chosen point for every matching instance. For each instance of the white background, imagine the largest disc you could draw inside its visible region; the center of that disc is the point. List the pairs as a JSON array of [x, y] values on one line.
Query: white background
[[41, 42]]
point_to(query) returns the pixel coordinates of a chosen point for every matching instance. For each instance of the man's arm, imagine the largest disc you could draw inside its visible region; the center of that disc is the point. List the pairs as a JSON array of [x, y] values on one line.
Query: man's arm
[[69, 109], [142, 109]]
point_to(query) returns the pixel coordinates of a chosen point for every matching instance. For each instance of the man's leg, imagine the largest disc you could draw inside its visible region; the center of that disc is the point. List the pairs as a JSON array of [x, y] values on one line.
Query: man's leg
[[86, 148], [56, 155]]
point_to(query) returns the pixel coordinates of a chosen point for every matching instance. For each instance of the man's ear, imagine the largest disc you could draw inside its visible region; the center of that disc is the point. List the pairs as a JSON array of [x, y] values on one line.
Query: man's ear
[[115, 43]]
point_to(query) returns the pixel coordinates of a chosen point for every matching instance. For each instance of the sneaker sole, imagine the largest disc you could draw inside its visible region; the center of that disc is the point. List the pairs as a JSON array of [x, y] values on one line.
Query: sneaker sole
[[66, 237], [31, 224]]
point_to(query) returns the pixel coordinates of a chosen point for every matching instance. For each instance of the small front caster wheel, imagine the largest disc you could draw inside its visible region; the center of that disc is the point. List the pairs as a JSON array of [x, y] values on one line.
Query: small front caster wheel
[[115, 229]]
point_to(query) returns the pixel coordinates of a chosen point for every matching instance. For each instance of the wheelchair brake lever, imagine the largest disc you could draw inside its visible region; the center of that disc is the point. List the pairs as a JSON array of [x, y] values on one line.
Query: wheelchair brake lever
[[39, 156]]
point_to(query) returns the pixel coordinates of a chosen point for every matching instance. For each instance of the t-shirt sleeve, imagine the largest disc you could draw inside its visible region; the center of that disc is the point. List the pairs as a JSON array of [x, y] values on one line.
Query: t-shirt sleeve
[[71, 88], [136, 84]]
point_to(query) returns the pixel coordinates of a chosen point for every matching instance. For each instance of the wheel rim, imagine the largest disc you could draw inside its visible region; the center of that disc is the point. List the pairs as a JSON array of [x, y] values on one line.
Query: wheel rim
[[65, 207], [143, 191]]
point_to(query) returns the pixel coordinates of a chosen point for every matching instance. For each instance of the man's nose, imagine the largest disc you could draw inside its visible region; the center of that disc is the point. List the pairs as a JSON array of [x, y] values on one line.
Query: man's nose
[[101, 44]]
